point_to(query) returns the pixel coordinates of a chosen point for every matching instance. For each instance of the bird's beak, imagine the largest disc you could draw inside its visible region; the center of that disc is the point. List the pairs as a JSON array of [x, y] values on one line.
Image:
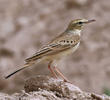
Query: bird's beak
[[89, 21]]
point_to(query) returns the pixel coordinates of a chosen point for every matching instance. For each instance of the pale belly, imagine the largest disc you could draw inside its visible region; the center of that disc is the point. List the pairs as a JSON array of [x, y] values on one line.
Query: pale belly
[[62, 54]]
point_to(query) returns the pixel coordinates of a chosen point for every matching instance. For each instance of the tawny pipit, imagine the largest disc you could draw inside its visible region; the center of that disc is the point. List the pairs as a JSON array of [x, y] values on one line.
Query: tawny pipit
[[61, 46]]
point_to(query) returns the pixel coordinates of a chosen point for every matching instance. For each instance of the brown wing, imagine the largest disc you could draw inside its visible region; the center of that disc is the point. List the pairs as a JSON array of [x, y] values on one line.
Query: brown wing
[[59, 44]]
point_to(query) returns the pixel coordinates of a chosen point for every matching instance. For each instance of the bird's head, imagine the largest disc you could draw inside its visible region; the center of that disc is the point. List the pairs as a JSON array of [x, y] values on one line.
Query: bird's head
[[78, 24]]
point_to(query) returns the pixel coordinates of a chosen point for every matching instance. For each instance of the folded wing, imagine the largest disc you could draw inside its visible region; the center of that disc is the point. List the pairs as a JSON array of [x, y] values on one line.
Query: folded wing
[[58, 45]]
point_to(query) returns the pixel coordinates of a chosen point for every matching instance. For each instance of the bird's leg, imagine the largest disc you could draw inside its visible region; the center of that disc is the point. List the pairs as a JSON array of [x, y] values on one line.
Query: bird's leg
[[51, 70], [65, 79]]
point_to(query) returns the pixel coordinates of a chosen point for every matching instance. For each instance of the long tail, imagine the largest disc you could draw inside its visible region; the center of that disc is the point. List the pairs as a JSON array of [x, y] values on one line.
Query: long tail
[[25, 66]]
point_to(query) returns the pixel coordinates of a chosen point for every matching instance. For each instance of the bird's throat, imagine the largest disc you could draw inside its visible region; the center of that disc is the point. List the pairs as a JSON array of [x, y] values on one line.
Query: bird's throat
[[75, 32]]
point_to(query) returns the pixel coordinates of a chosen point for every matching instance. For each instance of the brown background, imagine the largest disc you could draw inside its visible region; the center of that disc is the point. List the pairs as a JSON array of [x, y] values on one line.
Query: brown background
[[25, 25]]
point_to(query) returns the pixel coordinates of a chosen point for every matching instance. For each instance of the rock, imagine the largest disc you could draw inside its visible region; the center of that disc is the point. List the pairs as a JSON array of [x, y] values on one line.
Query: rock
[[57, 89], [57, 86], [48, 88]]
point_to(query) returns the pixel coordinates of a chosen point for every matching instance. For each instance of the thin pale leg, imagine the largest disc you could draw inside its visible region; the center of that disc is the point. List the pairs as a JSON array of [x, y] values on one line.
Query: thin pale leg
[[65, 79], [51, 70]]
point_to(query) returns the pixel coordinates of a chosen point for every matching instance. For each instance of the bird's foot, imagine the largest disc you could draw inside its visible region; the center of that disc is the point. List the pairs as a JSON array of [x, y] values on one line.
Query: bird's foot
[[65, 80]]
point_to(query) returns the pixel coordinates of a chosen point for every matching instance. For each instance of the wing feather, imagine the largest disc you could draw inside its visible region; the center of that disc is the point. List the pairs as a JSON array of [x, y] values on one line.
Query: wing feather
[[58, 45]]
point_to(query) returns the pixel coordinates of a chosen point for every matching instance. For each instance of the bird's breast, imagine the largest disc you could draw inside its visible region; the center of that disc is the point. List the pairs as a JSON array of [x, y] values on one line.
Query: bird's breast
[[73, 49], [64, 53]]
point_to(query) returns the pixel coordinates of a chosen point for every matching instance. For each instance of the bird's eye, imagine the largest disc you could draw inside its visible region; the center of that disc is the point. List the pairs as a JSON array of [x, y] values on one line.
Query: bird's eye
[[80, 22]]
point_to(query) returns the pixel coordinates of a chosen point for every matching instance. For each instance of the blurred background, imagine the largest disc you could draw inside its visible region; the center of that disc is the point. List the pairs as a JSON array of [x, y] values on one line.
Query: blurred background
[[26, 25]]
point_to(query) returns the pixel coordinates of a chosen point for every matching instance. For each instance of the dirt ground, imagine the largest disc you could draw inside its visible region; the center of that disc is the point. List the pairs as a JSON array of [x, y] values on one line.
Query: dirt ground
[[26, 25]]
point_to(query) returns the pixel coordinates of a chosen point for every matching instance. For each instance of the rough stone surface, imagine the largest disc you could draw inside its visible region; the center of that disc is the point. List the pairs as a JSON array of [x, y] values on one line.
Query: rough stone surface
[[26, 25], [62, 89], [48, 88]]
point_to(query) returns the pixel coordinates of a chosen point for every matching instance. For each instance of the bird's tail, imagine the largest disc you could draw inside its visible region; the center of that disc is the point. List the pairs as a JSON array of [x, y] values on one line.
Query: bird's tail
[[25, 66]]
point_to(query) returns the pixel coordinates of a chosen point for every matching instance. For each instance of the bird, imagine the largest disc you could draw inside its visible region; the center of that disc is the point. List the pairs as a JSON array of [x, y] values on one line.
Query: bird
[[63, 45]]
